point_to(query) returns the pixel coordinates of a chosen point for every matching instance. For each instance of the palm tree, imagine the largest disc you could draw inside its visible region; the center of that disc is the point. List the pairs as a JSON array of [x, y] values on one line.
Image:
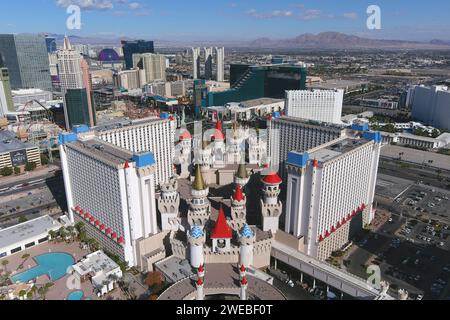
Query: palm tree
[[4, 264], [22, 294], [25, 256], [52, 234], [33, 291], [30, 296], [62, 233]]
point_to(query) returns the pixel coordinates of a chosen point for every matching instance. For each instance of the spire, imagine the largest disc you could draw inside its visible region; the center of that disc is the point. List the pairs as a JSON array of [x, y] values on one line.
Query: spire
[[67, 45], [199, 184], [242, 171], [221, 230], [238, 195]]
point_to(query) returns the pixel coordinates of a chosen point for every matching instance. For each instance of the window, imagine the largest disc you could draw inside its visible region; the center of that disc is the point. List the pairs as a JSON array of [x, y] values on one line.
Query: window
[[16, 250], [29, 245]]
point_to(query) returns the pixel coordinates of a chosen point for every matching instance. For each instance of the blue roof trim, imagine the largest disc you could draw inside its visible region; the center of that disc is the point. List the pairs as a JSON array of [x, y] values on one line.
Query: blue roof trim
[[276, 114], [65, 138], [196, 232], [298, 159], [80, 129], [144, 159], [164, 116], [373, 136], [360, 127], [247, 232]]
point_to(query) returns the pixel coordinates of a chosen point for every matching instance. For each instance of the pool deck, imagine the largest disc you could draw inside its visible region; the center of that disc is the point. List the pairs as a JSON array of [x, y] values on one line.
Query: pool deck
[[60, 289]]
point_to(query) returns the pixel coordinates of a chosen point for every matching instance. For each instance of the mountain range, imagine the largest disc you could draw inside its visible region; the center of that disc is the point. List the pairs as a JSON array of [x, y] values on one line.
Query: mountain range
[[324, 40]]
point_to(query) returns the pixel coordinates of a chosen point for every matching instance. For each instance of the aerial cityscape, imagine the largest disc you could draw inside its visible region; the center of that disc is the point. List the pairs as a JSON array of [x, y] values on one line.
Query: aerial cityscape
[[224, 151]]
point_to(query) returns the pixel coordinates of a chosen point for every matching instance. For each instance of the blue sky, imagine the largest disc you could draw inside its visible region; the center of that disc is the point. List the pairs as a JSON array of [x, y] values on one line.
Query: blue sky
[[229, 19]]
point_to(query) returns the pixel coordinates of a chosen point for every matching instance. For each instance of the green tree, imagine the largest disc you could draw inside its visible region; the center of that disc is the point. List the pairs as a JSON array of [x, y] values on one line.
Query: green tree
[[30, 295], [30, 166], [7, 171], [16, 170], [22, 219], [44, 160], [22, 294], [5, 264], [25, 256]]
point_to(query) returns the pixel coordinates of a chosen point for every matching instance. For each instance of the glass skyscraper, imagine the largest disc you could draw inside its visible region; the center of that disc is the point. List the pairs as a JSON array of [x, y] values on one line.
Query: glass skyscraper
[[78, 108], [51, 44], [26, 57], [132, 47]]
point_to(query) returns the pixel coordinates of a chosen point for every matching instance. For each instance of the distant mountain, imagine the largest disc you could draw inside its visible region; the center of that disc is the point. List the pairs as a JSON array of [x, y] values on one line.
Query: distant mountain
[[336, 40], [324, 40]]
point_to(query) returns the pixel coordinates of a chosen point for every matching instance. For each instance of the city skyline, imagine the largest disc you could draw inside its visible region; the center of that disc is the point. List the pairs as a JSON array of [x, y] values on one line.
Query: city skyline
[[280, 19]]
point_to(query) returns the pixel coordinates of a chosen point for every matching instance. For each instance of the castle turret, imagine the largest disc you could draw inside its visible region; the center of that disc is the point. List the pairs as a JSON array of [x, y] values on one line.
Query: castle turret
[[247, 239], [271, 207], [238, 208], [221, 234], [241, 177], [168, 205], [219, 150], [200, 209], [185, 153], [196, 239]]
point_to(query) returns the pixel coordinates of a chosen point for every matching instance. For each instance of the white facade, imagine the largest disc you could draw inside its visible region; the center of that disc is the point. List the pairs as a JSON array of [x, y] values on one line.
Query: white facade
[[147, 135], [154, 65], [23, 96], [111, 190], [329, 187], [130, 79], [220, 58], [287, 134], [195, 63], [432, 106], [317, 105]]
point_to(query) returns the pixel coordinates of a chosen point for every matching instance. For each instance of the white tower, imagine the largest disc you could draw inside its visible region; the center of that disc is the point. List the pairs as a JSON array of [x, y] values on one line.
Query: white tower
[[196, 238], [244, 286], [200, 208], [196, 63], [247, 239], [271, 207], [238, 209], [200, 292], [168, 205], [220, 62]]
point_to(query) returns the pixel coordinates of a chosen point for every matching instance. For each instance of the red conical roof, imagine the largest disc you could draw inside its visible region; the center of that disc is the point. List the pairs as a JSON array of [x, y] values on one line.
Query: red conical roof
[[199, 282], [186, 135], [238, 195], [126, 165], [242, 268], [244, 281], [221, 230], [218, 135], [272, 178], [201, 268]]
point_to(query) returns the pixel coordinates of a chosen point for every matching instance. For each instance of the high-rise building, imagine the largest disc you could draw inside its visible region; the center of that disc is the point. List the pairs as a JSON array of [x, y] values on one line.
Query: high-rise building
[[316, 105], [254, 82], [146, 135], [330, 191], [51, 44], [431, 105], [154, 66], [133, 47], [288, 134], [6, 101], [26, 57], [200, 95], [196, 62], [110, 190], [77, 108], [129, 79], [220, 63], [208, 63], [74, 76]]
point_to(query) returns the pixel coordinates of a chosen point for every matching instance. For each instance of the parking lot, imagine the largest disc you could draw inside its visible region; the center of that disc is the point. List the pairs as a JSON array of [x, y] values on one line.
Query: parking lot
[[420, 266]]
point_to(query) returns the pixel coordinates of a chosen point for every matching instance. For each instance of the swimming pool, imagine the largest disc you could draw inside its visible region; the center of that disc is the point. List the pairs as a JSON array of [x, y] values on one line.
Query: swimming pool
[[76, 295], [52, 264]]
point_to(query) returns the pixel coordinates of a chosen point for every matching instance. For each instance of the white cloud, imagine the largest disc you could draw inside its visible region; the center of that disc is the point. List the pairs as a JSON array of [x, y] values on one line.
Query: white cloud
[[351, 15], [269, 15], [87, 4], [135, 5]]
